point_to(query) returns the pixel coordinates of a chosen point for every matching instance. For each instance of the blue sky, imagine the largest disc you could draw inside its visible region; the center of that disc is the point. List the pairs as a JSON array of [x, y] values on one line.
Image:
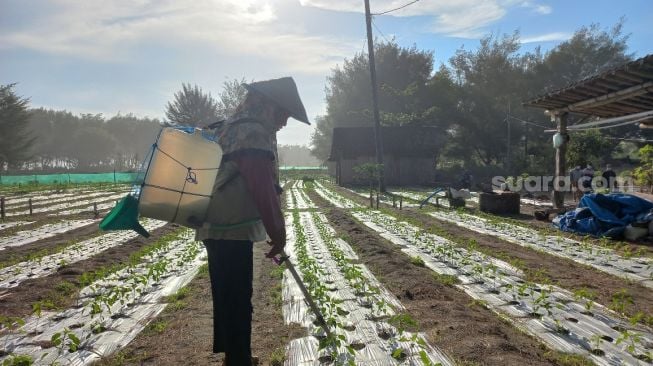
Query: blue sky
[[119, 56]]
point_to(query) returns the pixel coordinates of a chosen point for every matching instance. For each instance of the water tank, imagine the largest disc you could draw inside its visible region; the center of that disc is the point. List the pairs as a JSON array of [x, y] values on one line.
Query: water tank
[[180, 176]]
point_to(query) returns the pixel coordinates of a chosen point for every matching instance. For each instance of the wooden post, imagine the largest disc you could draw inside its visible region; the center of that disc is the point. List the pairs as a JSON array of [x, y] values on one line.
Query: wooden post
[[377, 199], [371, 199], [401, 202], [95, 211], [394, 201], [561, 166], [2, 208], [30, 206]]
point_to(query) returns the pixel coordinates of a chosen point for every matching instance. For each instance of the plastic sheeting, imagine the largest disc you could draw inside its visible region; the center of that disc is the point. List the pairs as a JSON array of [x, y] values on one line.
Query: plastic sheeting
[[604, 259], [123, 321], [72, 203], [363, 324], [561, 322], [296, 198], [12, 276], [41, 232], [7, 225], [335, 199], [605, 214]]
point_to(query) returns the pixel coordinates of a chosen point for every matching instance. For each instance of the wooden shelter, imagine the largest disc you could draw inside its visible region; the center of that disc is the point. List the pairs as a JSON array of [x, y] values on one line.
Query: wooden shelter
[[409, 154], [619, 96]]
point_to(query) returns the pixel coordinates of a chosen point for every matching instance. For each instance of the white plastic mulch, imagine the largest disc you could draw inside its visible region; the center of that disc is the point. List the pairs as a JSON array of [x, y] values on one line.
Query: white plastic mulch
[[548, 313], [112, 326]]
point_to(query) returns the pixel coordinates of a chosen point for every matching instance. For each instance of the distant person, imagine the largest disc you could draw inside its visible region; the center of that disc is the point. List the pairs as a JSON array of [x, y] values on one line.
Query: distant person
[[465, 180], [586, 178], [610, 178], [574, 177]]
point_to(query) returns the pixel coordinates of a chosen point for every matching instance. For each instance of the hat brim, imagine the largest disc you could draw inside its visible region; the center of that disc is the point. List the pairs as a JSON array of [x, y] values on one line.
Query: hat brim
[[283, 92]]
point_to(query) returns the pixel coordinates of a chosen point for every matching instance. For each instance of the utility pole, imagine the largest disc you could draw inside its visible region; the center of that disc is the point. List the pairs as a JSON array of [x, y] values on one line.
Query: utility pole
[[508, 167], [375, 98]]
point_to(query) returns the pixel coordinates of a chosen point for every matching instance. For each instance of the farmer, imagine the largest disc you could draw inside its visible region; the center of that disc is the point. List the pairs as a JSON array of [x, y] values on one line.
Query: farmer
[[609, 178], [586, 178], [244, 207]]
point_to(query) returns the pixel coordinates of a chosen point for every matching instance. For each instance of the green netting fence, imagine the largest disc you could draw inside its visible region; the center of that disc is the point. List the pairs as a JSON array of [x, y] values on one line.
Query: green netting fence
[[117, 177]]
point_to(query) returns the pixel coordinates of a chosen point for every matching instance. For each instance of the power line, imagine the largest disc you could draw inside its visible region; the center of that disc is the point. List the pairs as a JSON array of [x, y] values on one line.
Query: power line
[[627, 139], [379, 30], [401, 7], [528, 122]]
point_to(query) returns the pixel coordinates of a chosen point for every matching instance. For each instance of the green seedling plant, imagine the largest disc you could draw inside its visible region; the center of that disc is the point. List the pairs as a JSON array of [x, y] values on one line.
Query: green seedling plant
[[63, 341], [631, 339], [621, 300], [329, 307], [11, 324], [18, 360], [587, 297], [596, 341]]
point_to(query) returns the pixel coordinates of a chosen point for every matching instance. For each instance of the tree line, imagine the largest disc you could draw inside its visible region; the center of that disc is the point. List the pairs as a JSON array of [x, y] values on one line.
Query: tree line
[[476, 98], [86, 142], [47, 140]]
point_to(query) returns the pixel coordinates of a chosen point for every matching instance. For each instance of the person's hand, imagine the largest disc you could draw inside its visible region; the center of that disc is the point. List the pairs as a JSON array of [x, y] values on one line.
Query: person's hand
[[276, 250]]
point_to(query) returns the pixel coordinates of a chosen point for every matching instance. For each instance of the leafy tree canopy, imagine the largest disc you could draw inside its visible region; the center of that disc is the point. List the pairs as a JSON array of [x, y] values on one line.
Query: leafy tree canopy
[[192, 107], [16, 139]]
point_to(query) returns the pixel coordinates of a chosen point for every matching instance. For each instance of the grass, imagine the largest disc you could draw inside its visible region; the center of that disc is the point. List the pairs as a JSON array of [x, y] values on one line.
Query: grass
[[175, 301], [480, 303], [448, 280], [156, 327], [278, 356], [417, 261], [66, 288], [275, 295], [277, 272], [203, 271], [181, 294], [568, 359]]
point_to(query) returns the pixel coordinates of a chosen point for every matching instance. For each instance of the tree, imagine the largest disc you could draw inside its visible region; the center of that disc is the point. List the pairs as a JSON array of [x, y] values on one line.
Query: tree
[[232, 94], [588, 147], [16, 139], [589, 51], [94, 147], [644, 173], [402, 74], [192, 107], [489, 81]]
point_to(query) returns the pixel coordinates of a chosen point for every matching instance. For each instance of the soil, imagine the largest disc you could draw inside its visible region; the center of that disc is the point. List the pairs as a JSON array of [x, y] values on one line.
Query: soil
[[470, 333], [18, 301], [188, 335], [541, 267]]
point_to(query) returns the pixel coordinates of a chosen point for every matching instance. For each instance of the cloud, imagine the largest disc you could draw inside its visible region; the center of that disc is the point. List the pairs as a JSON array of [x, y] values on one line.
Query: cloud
[[538, 8], [461, 18], [548, 37], [115, 31]]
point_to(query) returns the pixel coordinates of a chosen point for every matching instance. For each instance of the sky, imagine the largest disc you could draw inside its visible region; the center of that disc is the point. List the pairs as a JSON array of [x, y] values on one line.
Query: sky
[[120, 56]]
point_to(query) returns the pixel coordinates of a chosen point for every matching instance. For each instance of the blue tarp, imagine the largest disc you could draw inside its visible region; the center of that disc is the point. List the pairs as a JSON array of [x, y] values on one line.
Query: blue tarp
[[605, 215]]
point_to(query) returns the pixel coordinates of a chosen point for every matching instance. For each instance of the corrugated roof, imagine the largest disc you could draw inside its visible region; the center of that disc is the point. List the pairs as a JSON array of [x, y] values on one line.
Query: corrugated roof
[[404, 141], [620, 91]]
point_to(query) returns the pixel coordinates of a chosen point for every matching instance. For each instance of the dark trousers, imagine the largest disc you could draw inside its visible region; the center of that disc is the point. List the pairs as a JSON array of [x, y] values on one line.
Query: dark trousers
[[230, 267]]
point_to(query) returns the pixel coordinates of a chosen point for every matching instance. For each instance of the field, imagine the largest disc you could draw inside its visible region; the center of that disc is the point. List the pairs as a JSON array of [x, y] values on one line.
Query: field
[[405, 286]]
